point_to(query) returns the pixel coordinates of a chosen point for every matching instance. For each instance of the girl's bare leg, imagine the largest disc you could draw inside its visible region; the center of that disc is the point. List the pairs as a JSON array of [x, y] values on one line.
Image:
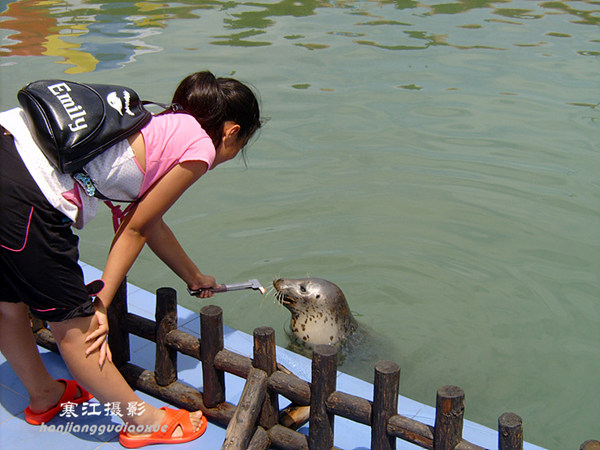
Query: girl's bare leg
[[105, 383], [20, 349]]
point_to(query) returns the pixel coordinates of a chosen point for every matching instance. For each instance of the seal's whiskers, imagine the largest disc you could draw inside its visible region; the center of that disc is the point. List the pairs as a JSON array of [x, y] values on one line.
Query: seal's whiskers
[[277, 297]]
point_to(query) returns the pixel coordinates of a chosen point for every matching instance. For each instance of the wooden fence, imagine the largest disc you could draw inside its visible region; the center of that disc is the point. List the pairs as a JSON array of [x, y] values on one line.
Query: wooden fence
[[257, 422]]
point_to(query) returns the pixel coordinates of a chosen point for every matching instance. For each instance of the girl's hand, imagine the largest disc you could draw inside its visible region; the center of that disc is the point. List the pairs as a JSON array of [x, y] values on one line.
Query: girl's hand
[[204, 283], [99, 337]]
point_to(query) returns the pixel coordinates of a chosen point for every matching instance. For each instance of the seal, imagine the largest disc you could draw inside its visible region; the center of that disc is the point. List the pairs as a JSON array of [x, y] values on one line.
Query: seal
[[320, 312]]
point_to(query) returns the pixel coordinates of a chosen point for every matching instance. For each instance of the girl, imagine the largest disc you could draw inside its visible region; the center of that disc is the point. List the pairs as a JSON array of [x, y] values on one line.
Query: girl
[[38, 249]]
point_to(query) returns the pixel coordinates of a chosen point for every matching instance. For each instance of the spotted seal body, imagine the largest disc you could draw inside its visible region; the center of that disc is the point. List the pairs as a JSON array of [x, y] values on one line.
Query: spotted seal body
[[320, 312]]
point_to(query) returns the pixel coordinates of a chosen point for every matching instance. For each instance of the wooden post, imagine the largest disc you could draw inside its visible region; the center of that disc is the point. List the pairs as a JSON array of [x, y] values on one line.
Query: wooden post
[[449, 412], [165, 364], [590, 445], [385, 404], [294, 416], [36, 324], [411, 430], [211, 343], [260, 440], [286, 439], [118, 338], [242, 426], [510, 432], [265, 359], [323, 384]]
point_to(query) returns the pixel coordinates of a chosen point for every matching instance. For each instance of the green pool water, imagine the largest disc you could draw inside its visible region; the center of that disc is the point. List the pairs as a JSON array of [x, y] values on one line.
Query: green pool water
[[439, 161]]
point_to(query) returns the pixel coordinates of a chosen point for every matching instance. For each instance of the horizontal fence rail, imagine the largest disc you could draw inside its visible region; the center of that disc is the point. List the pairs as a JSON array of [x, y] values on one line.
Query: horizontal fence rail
[[257, 422]]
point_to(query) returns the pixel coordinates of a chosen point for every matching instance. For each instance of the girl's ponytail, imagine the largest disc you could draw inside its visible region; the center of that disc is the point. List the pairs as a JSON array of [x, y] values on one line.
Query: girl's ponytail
[[199, 95], [213, 101]]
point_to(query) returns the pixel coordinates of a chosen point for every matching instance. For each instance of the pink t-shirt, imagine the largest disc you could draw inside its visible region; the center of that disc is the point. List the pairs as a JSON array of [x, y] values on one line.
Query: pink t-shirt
[[171, 139]]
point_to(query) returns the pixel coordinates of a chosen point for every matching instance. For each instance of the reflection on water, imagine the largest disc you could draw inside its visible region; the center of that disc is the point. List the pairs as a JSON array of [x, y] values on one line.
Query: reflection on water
[[88, 36], [92, 35]]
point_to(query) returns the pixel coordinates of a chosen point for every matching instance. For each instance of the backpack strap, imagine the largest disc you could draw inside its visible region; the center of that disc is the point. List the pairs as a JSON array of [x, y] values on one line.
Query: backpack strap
[[90, 189], [167, 108], [117, 213]]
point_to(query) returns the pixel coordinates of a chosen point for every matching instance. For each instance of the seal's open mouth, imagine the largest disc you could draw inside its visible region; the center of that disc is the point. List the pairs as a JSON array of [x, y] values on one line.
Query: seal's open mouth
[[284, 299]]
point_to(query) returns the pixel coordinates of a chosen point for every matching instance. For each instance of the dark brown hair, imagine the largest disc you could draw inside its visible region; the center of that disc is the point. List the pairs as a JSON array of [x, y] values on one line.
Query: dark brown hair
[[213, 101]]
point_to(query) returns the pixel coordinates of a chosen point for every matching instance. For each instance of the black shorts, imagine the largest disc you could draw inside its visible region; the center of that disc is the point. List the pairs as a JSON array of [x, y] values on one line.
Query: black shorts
[[38, 249]]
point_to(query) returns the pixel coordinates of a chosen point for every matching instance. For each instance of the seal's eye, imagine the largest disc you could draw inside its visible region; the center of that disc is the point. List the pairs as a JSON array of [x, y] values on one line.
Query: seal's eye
[[302, 289]]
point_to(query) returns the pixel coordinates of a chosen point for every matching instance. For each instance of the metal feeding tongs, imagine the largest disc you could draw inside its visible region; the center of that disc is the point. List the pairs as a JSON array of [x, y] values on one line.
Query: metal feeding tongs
[[251, 284]]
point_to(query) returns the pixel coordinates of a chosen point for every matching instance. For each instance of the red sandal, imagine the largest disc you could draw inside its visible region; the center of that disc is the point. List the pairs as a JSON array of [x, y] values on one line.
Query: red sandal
[[173, 418], [69, 396]]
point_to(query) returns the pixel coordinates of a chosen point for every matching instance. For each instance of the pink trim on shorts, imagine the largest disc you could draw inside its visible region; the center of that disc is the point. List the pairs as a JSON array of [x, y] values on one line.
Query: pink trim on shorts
[[26, 236]]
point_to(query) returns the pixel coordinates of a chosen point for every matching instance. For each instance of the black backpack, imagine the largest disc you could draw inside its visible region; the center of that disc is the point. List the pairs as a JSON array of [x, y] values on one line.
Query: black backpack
[[72, 123]]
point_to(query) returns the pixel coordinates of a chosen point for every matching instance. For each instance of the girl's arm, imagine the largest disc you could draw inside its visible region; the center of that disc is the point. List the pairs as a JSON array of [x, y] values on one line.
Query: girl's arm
[[164, 244], [137, 226]]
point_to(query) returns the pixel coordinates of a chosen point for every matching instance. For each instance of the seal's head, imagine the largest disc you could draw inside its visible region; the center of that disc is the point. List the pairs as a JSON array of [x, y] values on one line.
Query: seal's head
[[320, 312]]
